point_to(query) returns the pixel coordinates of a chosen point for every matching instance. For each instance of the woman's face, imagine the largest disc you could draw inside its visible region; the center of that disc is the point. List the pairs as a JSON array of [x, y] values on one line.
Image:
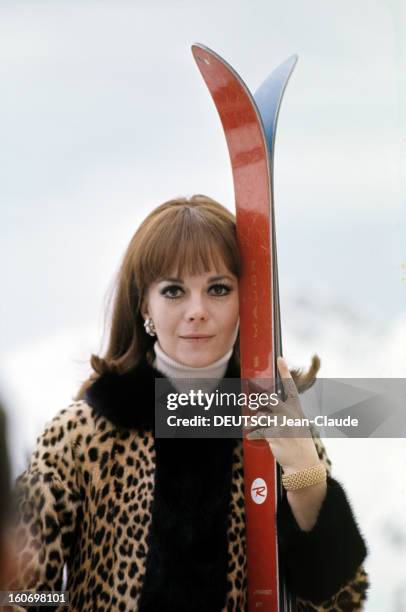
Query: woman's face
[[195, 317]]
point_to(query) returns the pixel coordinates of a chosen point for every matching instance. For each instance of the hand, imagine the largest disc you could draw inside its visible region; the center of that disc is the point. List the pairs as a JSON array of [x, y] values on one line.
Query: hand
[[292, 453]]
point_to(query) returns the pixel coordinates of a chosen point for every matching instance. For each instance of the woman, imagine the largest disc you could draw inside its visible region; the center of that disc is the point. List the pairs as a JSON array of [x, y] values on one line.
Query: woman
[[154, 524]]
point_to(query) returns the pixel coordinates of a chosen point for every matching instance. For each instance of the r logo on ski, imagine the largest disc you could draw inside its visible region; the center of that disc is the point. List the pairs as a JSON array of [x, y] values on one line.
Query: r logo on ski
[[259, 491]]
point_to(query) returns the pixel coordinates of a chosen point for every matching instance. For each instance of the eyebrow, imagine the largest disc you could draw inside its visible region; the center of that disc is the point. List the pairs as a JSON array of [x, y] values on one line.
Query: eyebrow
[[212, 279]]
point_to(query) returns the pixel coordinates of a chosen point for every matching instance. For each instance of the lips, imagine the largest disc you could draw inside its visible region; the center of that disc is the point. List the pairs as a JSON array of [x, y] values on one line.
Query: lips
[[196, 337]]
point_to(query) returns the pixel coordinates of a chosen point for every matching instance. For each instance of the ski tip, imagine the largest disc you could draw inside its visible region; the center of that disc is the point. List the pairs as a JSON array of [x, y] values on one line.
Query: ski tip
[[287, 66], [294, 58], [201, 53], [291, 60], [205, 55], [196, 47]]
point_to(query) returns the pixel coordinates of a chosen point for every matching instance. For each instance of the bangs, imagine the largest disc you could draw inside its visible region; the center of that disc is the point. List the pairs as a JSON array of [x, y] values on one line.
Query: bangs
[[186, 242]]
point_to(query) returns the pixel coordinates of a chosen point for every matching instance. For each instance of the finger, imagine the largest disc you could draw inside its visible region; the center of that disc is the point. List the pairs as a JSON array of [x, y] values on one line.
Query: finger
[[287, 381], [255, 435], [254, 387], [260, 424], [252, 429], [264, 433]]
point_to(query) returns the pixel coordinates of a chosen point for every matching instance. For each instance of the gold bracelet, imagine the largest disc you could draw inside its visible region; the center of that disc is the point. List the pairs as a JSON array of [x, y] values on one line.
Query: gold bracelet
[[304, 478]]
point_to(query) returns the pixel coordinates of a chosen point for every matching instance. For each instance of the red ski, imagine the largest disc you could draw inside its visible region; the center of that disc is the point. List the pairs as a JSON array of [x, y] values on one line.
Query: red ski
[[249, 125]]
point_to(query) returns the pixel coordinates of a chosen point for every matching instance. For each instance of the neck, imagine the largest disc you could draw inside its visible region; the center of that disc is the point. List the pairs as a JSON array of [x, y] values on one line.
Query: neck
[[173, 369]]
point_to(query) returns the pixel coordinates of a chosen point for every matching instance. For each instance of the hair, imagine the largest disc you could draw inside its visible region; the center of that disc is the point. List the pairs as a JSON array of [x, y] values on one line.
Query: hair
[[188, 235]]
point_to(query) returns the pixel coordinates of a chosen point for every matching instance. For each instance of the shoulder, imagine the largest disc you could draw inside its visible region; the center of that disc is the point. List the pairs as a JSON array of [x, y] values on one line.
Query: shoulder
[[126, 400], [72, 424], [62, 444]]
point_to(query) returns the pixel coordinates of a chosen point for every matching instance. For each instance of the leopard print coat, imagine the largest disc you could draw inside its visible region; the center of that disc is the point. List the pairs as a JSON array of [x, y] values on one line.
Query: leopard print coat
[[144, 525]]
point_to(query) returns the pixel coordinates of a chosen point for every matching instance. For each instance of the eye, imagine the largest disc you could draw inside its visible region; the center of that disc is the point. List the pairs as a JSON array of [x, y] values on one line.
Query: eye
[[170, 290], [221, 289], [173, 292]]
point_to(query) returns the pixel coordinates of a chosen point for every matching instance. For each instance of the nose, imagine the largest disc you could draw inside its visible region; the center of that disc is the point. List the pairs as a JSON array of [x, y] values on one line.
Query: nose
[[196, 310], [195, 317]]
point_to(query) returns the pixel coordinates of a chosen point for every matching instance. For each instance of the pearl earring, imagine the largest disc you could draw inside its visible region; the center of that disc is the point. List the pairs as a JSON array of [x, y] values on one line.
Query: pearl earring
[[150, 327]]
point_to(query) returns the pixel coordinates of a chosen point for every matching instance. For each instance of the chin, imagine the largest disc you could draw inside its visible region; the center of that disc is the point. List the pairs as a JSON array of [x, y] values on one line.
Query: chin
[[197, 360], [204, 363]]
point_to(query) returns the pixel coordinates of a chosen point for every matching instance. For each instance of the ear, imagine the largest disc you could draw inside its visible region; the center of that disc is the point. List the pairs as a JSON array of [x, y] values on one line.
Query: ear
[[144, 309]]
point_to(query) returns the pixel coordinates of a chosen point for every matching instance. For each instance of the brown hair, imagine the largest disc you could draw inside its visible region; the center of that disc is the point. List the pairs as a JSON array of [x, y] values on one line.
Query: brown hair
[[189, 236]]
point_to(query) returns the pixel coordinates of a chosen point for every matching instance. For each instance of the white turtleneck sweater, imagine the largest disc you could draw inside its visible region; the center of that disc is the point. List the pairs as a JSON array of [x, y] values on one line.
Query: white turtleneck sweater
[[173, 370]]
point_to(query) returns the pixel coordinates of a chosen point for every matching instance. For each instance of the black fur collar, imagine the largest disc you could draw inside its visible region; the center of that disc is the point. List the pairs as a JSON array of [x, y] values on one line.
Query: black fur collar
[[127, 400], [187, 560]]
